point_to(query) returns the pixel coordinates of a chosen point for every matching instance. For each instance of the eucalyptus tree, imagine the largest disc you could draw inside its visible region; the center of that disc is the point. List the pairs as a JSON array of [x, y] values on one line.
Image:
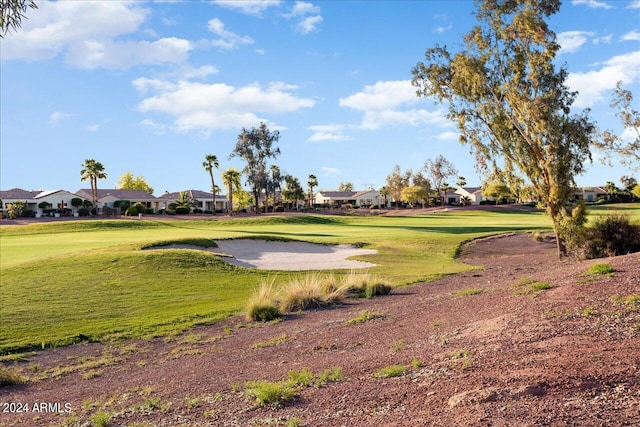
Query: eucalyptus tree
[[12, 12], [439, 170], [256, 146], [92, 171], [510, 102], [231, 179], [345, 186], [396, 181], [629, 149], [210, 162]]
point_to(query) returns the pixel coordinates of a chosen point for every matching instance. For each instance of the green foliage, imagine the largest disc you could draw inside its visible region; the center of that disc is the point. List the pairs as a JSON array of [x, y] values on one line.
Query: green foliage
[[16, 209], [468, 292], [571, 225], [510, 103], [130, 182], [600, 268], [390, 371], [612, 235], [365, 316], [182, 210], [100, 419]]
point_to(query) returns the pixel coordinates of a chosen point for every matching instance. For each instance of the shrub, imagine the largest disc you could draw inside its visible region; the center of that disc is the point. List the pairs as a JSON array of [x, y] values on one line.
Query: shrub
[[279, 209], [9, 377], [267, 393], [390, 371], [601, 268], [83, 212], [122, 204], [197, 211], [309, 291], [263, 306], [612, 235], [365, 285], [100, 419], [149, 211], [182, 210]]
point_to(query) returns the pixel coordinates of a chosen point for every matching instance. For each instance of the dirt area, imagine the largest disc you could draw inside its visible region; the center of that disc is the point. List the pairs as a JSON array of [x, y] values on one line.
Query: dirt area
[[490, 347]]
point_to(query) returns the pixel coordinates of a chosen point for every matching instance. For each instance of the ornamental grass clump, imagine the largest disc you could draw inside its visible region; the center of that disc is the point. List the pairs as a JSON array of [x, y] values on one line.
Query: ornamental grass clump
[[263, 305]]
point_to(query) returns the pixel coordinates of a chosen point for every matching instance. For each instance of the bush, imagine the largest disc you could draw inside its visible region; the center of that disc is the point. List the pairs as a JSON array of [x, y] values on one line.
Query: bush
[[612, 235], [279, 209], [9, 377], [182, 210], [83, 212], [263, 305], [149, 211], [122, 204]]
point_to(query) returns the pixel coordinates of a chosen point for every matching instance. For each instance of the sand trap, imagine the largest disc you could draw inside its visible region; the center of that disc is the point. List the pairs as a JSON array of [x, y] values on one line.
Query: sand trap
[[274, 255]]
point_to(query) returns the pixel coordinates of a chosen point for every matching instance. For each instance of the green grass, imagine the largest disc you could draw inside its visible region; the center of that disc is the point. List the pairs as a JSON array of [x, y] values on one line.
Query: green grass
[[468, 292], [89, 280], [601, 268], [391, 371]]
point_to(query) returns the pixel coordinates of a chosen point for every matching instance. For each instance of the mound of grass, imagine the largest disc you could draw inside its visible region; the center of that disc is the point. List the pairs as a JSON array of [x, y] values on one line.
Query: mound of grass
[[277, 394], [365, 285], [262, 307], [601, 268], [365, 316], [468, 292], [9, 377], [391, 371], [192, 241], [309, 291]]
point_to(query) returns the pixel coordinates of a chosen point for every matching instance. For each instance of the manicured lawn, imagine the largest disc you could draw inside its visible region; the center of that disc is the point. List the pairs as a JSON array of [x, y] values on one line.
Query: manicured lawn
[[70, 281]]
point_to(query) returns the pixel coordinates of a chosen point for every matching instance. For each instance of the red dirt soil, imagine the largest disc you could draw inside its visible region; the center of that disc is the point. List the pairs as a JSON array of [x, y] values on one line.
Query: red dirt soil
[[503, 355]]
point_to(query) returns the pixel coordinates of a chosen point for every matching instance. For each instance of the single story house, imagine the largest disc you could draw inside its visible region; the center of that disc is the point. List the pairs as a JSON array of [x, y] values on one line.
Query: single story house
[[474, 194], [203, 200], [355, 198], [41, 203], [108, 196], [590, 194]]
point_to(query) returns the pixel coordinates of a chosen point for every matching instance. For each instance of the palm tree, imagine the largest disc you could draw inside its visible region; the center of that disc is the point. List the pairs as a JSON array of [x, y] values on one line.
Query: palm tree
[[311, 182], [210, 162], [93, 171], [231, 178]]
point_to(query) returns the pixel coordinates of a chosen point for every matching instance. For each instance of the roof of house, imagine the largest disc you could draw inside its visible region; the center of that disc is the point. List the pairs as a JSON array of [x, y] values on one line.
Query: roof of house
[[344, 194], [17, 194], [597, 190], [195, 194], [43, 194], [136, 195]]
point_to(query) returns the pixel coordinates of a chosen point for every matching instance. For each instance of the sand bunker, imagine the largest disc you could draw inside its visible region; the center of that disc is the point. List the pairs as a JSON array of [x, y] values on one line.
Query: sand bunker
[[274, 255]]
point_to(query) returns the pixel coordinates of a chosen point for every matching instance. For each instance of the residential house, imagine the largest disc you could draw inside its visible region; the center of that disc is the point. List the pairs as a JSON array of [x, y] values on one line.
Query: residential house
[[474, 194], [203, 200], [8, 197], [341, 198], [590, 194], [41, 203], [107, 197]]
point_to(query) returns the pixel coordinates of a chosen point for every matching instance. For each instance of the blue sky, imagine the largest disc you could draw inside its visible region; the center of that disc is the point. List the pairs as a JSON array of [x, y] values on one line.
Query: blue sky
[[152, 87]]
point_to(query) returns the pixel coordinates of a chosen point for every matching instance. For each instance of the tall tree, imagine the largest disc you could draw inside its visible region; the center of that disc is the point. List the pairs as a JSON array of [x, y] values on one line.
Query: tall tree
[[439, 170], [510, 102], [345, 186], [418, 179], [461, 181], [128, 181], [231, 179], [312, 182], [292, 191], [395, 182], [93, 171], [12, 13], [273, 184], [629, 149], [256, 146], [210, 162]]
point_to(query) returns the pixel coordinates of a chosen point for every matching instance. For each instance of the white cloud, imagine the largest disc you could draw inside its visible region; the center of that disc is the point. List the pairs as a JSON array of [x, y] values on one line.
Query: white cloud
[[571, 41], [228, 40], [307, 16], [594, 4], [593, 84], [57, 116], [635, 4], [633, 35], [604, 39], [199, 106], [440, 30], [382, 95], [248, 7], [92, 128], [329, 171], [308, 24], [330, 132], [374, 120], [109, 54], [54, 26]]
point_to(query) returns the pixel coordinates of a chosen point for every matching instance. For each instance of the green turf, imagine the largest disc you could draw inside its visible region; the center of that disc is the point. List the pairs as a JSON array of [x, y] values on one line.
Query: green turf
[[70, 281]]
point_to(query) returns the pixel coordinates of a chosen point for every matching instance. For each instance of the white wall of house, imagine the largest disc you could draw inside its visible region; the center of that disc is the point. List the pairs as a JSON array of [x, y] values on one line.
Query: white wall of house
[[57, 200]]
